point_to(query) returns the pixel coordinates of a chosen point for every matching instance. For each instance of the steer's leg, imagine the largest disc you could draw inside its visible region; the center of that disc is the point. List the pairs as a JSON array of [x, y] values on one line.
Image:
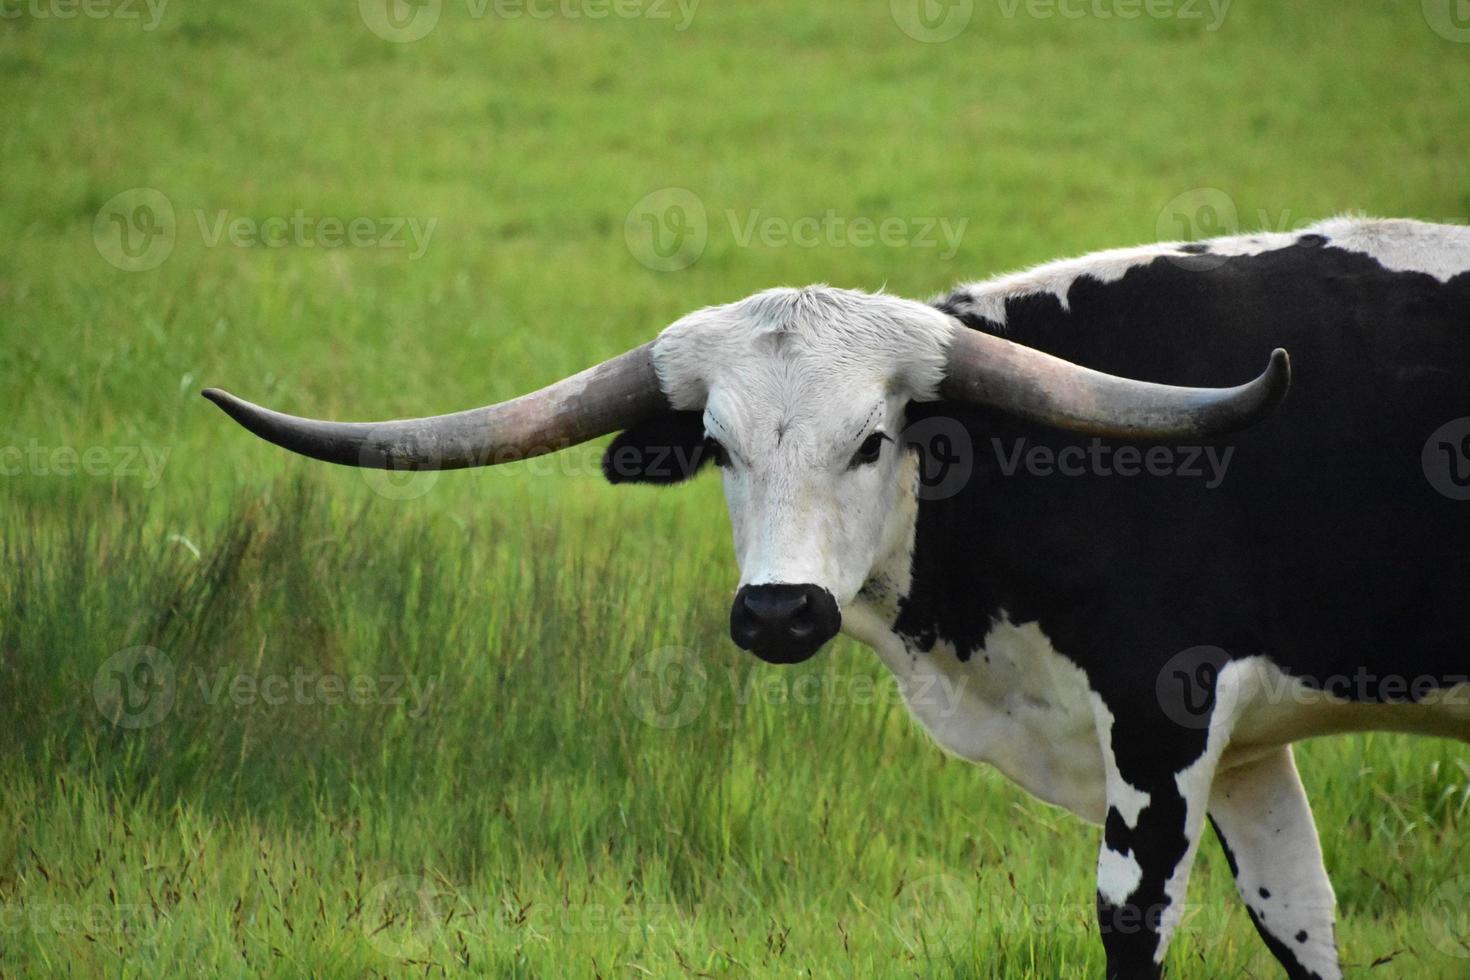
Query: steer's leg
[[1264, 822], [1158, 791]]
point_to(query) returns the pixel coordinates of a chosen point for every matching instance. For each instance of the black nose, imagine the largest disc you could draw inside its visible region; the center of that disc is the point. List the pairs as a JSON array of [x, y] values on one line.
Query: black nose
[[784, 624]]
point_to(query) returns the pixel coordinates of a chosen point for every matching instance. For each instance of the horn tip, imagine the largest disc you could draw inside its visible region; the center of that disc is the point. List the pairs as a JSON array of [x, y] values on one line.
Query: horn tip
[[228, 403], [1279, 371]]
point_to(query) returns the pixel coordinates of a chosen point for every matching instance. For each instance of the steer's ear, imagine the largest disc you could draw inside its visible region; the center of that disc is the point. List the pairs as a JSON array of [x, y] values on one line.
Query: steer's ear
[[668, 448]]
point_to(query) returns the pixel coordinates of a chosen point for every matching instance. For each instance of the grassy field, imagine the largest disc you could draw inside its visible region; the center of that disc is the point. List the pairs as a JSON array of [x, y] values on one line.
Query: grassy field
[[266, 717]]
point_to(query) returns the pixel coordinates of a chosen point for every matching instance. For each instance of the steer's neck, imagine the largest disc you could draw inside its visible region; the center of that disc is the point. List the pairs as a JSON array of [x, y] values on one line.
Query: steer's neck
[[950, 567], [889, 584]]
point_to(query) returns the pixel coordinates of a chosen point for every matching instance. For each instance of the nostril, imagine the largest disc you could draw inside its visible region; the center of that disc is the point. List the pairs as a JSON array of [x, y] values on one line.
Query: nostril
[[775, 607]]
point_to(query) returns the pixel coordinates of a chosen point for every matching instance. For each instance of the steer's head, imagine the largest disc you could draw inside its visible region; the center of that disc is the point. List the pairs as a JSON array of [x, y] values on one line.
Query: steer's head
[[799, 396]]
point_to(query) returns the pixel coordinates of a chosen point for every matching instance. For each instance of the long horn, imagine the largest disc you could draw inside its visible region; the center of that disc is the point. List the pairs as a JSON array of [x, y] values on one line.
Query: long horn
[[1037, 386], [613, 395]]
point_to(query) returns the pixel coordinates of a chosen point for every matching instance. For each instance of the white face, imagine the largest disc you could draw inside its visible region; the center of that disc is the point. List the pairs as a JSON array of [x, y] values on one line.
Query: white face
[[806, 392]]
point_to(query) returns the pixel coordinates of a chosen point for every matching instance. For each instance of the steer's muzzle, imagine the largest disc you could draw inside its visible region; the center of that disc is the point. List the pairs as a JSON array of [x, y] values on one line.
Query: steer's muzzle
[[784, 624]]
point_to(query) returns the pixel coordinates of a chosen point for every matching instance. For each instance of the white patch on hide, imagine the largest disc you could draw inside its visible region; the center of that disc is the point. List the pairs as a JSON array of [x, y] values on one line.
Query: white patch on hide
[[1118, 876]]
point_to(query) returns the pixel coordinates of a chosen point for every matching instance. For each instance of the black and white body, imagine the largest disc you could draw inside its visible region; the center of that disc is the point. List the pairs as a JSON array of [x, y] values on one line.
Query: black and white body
[[1148, 579]]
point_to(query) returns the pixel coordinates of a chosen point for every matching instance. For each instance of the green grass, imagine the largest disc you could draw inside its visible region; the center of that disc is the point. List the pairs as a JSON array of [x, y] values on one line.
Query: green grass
[[497, 800]]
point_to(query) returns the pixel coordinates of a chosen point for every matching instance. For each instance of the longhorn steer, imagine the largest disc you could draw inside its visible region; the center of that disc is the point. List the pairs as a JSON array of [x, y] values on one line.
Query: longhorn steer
[[1131, 640]]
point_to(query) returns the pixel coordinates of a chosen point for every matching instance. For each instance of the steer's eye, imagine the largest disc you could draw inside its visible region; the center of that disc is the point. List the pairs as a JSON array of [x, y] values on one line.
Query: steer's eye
[[716, 451], [870, 450]]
